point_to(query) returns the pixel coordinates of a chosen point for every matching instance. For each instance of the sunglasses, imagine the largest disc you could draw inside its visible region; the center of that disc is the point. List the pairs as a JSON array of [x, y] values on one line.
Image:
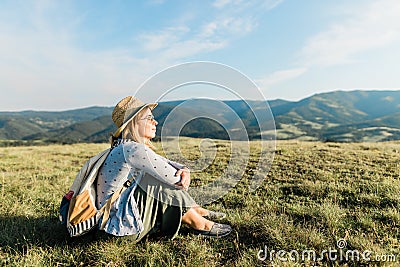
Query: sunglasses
[[149, 117]]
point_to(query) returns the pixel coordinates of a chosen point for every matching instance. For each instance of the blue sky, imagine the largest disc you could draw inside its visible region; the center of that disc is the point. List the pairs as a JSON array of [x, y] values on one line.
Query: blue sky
[[57, 55]]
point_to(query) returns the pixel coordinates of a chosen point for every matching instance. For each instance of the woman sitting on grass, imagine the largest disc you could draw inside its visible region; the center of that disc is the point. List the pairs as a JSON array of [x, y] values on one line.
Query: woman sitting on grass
[[157, 201]]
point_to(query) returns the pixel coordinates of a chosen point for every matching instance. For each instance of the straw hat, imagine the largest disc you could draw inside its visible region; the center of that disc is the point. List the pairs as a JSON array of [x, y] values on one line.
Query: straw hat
[[126, 110]]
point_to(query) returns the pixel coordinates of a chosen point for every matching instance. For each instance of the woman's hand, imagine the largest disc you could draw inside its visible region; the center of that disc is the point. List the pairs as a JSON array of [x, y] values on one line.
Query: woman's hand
[[185, 178]]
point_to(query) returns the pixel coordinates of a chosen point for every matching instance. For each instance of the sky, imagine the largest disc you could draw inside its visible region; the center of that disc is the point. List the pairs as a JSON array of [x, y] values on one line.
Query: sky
[[58, 55]]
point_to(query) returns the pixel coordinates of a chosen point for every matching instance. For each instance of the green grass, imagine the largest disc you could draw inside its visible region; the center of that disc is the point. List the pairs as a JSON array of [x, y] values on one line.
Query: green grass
[[314, 194]]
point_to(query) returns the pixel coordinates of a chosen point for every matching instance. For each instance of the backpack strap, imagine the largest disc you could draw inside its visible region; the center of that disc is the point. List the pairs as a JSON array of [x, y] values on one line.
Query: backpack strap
[[88, 172], [110, 201]]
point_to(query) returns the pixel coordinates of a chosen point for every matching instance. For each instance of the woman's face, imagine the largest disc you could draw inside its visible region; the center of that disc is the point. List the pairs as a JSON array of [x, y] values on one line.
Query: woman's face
[[147, 125]]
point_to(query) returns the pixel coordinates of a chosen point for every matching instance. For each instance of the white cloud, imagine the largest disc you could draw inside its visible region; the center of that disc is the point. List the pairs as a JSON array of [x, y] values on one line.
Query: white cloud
[[189, 48], [233, 19], [272, 4], [41, 57], [228, 27], [240, 4], [42, 68], [237, 17], [224, 3], [370, 27], [163, 39], [174, 43], [279, 77], [361, 29]]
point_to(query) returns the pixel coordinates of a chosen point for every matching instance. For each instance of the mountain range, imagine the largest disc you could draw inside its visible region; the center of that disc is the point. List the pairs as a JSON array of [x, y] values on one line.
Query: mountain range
[[339, 116]]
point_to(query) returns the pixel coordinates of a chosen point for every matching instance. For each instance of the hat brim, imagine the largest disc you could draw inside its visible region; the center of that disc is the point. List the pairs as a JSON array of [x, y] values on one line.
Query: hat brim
[[133, 115]]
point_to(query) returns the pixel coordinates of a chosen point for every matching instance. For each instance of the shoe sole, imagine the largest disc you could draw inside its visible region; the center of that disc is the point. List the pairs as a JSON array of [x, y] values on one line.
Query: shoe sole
[[211, 236]]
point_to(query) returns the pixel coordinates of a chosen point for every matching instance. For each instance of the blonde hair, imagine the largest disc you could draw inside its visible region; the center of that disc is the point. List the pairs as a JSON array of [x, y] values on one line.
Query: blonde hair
[[131, 131]]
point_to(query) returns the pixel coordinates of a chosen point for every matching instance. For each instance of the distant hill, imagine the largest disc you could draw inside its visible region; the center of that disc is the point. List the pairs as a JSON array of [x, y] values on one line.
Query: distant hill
[[22, 125], [340, 116]]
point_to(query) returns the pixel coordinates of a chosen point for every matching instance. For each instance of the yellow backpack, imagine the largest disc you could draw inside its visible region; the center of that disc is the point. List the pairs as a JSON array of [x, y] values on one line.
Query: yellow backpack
[[78, 211]]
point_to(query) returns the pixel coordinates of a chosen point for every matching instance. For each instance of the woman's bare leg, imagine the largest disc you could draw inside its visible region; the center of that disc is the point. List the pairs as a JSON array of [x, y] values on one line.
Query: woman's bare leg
[[196, 221]]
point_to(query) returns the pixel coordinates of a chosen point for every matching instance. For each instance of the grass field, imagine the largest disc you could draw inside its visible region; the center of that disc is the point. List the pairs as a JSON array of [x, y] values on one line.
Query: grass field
[[314, 195]]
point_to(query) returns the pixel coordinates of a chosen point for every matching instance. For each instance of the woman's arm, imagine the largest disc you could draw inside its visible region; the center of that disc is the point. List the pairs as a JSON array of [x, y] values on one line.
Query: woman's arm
[[175, 164], [183, 171], [185, 178], [141, 157]]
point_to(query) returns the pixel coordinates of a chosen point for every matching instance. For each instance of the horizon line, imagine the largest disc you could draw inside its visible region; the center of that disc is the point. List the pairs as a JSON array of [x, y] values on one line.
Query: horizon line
[[183, 99]]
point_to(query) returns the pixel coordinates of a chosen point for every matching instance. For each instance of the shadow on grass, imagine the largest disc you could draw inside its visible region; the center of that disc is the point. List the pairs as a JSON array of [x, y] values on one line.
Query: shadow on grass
[[255, 236], [19, 233]]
